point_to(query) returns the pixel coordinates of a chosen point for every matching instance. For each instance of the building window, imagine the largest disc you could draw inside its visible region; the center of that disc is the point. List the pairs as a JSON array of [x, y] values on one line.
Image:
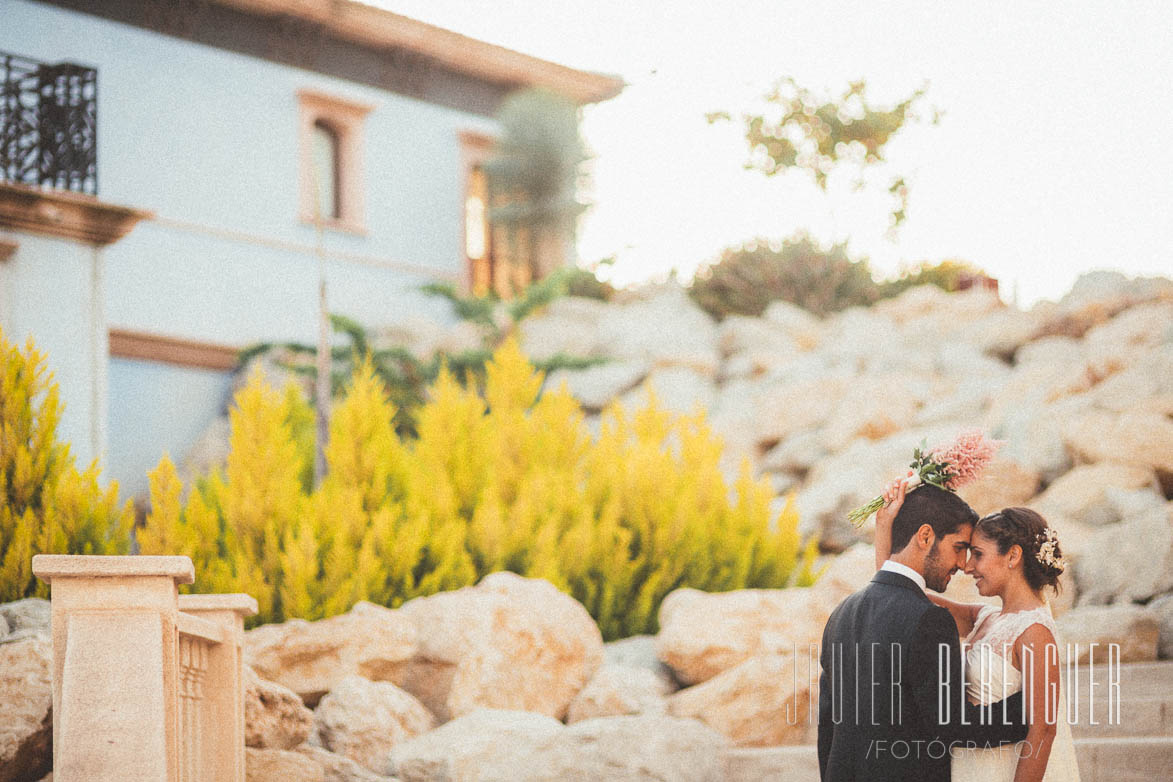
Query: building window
[[331, 167], [325, 171], [481, 265], [476, 231]]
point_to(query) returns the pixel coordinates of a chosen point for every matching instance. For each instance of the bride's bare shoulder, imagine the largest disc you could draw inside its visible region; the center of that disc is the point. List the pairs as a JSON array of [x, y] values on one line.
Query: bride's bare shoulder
[[1037, 636]]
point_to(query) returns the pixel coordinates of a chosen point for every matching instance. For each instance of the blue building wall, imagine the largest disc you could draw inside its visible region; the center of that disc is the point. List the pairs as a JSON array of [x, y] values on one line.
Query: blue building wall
[[207, 139], [205, 136], [160, 409]]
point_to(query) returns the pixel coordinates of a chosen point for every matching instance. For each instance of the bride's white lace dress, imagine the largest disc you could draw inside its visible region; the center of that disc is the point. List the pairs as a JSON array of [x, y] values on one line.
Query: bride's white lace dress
[[989, 677]]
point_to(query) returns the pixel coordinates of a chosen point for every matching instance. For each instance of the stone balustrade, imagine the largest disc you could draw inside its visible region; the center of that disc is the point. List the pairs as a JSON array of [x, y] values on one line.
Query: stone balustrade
[[147, 685]]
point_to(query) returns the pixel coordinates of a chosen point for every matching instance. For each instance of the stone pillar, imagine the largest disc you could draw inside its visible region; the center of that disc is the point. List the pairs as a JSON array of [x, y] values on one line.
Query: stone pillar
[[221, 719], [115, 666]]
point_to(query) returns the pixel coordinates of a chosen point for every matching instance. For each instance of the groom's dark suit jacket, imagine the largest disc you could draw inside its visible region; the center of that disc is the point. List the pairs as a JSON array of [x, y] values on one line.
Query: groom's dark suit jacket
[[889, 703]]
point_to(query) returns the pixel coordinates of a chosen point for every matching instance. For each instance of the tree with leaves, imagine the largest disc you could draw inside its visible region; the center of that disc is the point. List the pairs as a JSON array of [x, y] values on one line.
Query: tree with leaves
[[800, 130], [407, 376], [533, 179]]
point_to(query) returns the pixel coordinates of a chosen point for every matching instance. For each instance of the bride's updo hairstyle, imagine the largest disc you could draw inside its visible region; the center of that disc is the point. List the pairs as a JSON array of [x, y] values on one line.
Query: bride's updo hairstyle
[[1042, 561]]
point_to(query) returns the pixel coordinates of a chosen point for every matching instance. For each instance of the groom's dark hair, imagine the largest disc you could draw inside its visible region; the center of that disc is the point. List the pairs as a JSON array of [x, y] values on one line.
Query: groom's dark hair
[[942, 510]]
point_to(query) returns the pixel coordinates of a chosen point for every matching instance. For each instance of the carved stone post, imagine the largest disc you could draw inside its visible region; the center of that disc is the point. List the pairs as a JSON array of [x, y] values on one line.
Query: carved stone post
[[115, 666], [220, 727]]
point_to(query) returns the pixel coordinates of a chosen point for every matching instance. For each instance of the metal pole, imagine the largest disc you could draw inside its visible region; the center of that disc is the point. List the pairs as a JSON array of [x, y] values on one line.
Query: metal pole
[[322, 384]]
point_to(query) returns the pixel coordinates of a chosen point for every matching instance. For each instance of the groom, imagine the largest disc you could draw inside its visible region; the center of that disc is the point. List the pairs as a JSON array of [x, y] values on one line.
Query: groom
[[892, 692]]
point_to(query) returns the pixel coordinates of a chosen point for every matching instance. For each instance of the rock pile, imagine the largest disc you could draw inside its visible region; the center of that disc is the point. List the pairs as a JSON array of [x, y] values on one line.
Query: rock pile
[[1081, 391], [510, 679], [26, 691]]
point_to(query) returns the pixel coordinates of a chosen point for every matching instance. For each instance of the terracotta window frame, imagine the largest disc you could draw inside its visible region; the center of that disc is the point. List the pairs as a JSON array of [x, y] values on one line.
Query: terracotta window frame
[[176, 351], [346, 119]]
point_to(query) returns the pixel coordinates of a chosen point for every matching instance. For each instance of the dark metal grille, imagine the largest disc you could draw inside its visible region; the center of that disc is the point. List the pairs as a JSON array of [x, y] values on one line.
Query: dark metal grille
[[48, 124]]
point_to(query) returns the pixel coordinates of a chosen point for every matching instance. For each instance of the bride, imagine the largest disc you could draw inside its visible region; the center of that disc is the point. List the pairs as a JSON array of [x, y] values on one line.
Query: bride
[[1013, 555]]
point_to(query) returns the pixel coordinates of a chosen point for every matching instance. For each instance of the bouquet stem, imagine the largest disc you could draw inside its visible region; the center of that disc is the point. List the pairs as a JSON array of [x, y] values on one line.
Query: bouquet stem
[[861, 514]]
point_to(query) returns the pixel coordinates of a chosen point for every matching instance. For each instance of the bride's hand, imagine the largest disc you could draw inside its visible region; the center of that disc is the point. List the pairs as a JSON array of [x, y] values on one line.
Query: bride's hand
[[893, 495], [893, 498]]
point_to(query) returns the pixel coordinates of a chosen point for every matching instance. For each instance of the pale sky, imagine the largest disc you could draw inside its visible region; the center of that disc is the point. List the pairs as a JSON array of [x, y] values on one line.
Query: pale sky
[[1054, 155]]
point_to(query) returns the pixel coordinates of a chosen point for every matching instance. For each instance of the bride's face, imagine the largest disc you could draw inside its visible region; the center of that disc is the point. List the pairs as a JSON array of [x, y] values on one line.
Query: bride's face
[[989, 569]]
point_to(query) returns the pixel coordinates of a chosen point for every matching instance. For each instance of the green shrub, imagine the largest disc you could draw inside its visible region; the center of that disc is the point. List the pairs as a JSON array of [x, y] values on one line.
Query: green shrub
[[586, 284], [946, 275], [47, 506], [746, 279], [502, 479]]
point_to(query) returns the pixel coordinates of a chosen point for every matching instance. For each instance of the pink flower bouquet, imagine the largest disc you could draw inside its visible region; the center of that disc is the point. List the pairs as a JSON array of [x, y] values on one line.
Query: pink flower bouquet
[[947, 466]]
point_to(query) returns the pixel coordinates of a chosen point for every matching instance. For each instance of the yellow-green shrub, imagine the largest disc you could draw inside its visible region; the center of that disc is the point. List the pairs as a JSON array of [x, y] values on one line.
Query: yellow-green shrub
[[507, 479], [47, 506]]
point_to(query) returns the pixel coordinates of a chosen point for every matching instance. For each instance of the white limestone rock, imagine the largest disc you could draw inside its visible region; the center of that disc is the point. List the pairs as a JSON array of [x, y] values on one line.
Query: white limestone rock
[[1162, 609], [1136, 438], [336, 768], [854, 476], [1052, 350], [280, 765], [304, 764], [782, 410], [666, 329], [1133, 627], [507, 643], [26, 618], [1119, 343], [274, 716], [796, 454], [1082, 493], [595, 387], [1147, 384], [754, 346], [616, 690], [763, 702], [1033, 438], [873, 407], [801, 326], [363, 720], [26, 706], [568, 325], [704, 634], [639, 748], [1000, 333], [1112, 287], [639, 651], [311, 658], [1003, 484], [676, 389], [1128, 562], [488, 745]]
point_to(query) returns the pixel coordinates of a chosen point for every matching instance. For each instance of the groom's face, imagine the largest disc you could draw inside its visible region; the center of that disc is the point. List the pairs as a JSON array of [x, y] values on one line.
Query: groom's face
[[946, 557]]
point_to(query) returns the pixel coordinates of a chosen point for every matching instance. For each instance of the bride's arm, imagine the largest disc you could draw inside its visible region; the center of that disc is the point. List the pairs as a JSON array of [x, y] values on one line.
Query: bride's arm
[[893, 498], [1040, 684], [964, 614]]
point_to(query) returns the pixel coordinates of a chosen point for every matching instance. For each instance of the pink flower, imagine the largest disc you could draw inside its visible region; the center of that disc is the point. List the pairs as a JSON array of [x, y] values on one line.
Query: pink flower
[[966, 457]]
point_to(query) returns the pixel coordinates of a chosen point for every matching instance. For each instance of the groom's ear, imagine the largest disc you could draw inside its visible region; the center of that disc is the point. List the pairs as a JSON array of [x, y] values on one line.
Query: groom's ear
[[925, 535]]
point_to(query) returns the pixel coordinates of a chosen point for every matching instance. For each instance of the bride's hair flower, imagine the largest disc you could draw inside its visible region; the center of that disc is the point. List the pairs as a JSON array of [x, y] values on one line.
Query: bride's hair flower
[[1049, 541], [949, 466]]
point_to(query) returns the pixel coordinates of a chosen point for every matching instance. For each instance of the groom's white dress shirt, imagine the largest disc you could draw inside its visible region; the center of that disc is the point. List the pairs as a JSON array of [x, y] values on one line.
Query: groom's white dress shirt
[[904, 570]]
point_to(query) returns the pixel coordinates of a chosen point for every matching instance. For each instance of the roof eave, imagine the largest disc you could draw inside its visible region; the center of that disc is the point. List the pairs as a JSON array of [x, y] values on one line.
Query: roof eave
[[376, 27]]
